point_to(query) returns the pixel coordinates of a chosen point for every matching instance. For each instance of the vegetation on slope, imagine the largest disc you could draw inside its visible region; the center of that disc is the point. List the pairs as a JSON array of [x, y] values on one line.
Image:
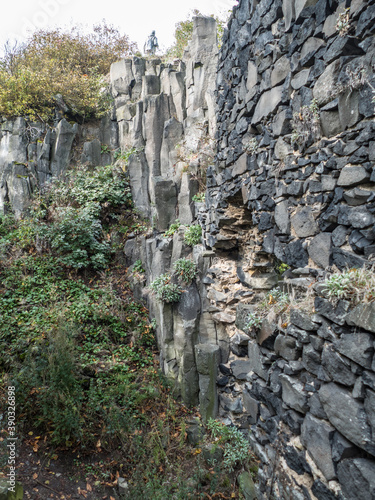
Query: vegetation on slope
[[81, 353]]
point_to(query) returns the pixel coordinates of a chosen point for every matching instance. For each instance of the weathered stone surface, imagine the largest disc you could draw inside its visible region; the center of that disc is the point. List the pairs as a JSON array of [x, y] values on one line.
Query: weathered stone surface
[[337, 366], [347, 415], [61, 149], [263, 281], [344, 259], [302, 320], [282, 219], [316, 436], [322, 91], [358, 347], [280, 71], [286, 347], [352, 175], [303, 222], [363, 315], [337, 314], [311, 359], [240, 368], [207, 359], [320, 249], [255, 359], [247, 486], [293, 393], [267, 103], [357, 478]]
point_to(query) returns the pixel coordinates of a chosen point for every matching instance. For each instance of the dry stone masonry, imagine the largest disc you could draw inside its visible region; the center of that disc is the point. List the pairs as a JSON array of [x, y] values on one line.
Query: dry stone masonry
[[294, 184]]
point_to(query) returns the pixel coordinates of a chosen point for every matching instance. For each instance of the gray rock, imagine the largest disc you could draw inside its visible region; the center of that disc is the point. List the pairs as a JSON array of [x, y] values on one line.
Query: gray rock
[[347, 415], [255, 359], [267, 104], [251, 406], [330, 123], [282, 219], [286, 347], [363, 315], [357, 196], [342, 448], [316, 436], [322, 90], [165, 195], [241, 368], [281, 123], [300, 79], [303, 222], [339, 236], [261, 281], [316, 407], [207, 360], [311, 359], [358, 347], [302, 320], [293, 393], [320, 249], [337, 314], [337, 366], [247, 486], [344, 259], [370, 408], [280, 71], [357, 478], [62, 146], [352, 175]]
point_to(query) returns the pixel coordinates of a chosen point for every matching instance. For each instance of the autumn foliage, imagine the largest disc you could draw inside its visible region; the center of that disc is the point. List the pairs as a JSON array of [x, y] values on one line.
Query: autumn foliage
[[63, 69]]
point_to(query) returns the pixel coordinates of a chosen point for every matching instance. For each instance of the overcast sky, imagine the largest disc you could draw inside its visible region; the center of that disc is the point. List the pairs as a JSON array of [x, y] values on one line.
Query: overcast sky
[[136, 18]]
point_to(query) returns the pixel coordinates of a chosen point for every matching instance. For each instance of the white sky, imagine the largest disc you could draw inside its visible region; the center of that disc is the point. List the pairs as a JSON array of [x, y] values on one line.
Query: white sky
[[136, 18]]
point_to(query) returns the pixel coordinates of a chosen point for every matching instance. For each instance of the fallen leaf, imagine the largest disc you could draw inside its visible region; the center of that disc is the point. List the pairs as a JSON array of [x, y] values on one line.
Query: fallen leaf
[[88, 487], [35, 475]]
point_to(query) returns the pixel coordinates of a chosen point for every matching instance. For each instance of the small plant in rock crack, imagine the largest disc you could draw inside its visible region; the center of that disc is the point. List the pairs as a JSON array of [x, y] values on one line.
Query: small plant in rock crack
[[343, 23], [251, 147], [173, 228], [199, 197], [193, 235], [138, 267], [306, 124], [165, 290], [185, 269], [253, 321], [234, 444], [355, 285]]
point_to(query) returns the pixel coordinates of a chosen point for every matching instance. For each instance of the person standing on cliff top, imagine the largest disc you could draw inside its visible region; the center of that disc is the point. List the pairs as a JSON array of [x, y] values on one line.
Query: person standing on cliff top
[[151, 45]]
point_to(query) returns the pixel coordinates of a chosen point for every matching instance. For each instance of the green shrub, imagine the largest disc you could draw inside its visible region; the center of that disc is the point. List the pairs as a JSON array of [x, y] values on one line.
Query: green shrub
[[199, 197], [165, 290], [63, 69], [76, 237], [173, 228], [185, 269], [193, 235], [234, 444]]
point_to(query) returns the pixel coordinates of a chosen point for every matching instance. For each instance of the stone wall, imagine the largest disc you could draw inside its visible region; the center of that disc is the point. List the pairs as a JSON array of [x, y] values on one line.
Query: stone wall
[[293, 184]]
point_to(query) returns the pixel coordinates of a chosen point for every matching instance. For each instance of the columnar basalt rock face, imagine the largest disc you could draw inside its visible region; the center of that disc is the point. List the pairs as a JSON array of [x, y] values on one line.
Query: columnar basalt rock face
[[294, 183], [33, 153], [166, 112]]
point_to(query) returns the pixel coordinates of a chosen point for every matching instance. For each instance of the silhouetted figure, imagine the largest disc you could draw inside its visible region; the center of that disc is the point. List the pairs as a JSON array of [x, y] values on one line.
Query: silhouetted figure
[[151, 45]]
